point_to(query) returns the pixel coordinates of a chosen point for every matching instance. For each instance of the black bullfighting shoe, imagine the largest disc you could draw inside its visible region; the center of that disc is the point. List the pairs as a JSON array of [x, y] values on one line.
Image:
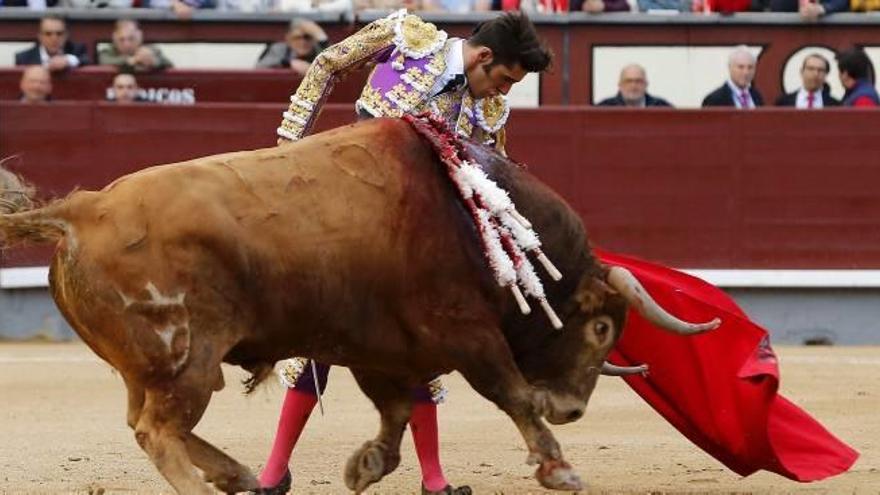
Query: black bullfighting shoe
[[449, 490], [281, 488]]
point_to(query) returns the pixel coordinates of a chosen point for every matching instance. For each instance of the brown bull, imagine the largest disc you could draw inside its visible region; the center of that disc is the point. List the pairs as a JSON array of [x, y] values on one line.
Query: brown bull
[[348, 247]]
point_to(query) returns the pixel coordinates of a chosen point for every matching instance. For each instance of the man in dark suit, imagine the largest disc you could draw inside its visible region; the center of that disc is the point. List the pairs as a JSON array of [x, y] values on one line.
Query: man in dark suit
[[52, 49], [814, 93], [737, 91], [633, 90], [857, 77]]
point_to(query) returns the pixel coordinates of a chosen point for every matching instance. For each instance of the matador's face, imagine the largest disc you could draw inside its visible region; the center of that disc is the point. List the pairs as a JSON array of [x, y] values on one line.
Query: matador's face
[[485, 79]]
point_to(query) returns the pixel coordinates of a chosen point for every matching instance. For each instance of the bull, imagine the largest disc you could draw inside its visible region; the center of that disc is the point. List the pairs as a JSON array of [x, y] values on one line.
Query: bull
[[348, 247]]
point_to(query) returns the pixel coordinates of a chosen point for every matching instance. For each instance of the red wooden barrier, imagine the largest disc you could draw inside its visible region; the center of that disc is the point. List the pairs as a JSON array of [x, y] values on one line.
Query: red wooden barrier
[[242, 86], [767, 189]]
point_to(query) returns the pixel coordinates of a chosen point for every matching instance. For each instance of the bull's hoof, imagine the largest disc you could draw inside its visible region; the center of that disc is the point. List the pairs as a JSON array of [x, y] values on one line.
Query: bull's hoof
[[558, 475], [367, 466], [449, 490], [281, 488], [238, 482]]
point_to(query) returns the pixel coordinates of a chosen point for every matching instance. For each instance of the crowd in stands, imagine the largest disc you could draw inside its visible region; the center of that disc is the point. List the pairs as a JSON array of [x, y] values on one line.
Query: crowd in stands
[[809, 9], [55, 52], [737, 91]]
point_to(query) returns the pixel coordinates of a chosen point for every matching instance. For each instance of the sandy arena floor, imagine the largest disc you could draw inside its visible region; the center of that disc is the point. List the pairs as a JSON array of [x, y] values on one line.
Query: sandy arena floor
[[62, 430]]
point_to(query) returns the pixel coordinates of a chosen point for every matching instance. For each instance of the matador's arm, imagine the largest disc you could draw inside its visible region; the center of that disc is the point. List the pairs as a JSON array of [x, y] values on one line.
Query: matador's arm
[[331, 64]]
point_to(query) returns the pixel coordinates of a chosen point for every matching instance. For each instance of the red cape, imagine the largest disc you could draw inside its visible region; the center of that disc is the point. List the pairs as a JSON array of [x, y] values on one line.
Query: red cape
[[719, 389]]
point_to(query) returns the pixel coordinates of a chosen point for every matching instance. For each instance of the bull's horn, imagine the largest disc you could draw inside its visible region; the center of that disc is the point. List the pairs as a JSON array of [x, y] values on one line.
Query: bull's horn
[[609, 369], [625, 282]]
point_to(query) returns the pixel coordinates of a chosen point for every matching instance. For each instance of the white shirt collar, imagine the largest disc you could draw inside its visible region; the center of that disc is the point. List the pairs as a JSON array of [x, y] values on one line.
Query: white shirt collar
[[801, 100], [454, 65], [455, 59], [737, 91], [44, 55]]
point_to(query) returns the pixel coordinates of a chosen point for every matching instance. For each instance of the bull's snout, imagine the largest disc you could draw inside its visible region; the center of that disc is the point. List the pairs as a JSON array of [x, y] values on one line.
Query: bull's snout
[[561, 410], [563, 417]]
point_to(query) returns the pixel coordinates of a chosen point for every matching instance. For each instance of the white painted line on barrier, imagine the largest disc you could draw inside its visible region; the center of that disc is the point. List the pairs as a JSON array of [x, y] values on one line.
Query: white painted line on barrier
[[819, 279], [38, 276], [24, 277], [847, 360]]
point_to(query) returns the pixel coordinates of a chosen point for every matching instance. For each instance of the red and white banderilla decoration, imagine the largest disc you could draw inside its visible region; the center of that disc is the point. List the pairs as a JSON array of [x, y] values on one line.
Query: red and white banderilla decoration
[[505, 234]]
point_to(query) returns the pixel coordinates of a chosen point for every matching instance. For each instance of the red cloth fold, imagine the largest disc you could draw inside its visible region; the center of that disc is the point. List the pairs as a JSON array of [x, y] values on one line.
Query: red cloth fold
[[719, 389]]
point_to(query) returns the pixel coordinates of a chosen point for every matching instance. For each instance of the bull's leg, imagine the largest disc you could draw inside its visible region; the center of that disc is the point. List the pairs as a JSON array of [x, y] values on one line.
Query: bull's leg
[[489, 367], [136, 398], [164, 423], [227, 474], [381, 455]]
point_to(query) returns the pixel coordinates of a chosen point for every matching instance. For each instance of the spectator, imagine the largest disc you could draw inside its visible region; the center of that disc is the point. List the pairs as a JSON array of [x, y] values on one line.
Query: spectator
[[125, 89], [856, 76], [531, 6], [737, 91], [598, 6], [810, 10], [183, 9], [864, 5], [302, 43], [96, 4], [722, 6], [52, 48], [33, 4], [35, 85], [285, 5], [632, 90], [458, 6], [387, 4], [128, 51], [814, 92]]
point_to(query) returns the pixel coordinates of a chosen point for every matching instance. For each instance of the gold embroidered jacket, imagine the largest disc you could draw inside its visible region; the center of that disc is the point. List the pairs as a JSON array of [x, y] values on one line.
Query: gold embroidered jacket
[[410, 57]]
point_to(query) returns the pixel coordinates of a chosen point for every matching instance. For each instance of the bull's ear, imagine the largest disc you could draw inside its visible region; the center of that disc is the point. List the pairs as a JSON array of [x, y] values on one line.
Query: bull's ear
[[591, 294]]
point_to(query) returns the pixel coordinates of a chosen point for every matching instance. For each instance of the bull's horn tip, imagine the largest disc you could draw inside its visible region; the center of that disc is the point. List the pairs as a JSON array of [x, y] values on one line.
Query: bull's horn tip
[[712, 325]]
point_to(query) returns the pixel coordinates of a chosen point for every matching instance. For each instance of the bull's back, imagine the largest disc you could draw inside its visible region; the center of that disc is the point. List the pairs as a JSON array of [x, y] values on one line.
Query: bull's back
[[329, 192], [326, 232]]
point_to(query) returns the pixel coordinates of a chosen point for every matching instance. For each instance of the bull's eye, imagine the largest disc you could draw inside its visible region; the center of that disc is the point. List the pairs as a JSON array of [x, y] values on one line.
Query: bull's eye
[[600, 328]]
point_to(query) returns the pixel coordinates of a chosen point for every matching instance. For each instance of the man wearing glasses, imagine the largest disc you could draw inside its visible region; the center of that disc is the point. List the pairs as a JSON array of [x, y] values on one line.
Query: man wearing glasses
[[303, 42], [814, 93], [52, 49]]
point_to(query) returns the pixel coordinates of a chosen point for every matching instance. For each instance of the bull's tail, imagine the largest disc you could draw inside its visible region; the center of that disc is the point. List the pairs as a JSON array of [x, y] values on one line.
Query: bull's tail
[[21, 221]]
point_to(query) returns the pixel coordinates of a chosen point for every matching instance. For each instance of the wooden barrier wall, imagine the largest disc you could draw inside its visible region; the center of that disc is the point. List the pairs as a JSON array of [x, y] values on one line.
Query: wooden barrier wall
[[772, 188], [241, 86]]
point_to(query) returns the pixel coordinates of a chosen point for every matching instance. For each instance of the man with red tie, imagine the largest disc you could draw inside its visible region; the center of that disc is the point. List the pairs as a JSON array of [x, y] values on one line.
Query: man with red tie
[[814, 93], [737, 91]]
